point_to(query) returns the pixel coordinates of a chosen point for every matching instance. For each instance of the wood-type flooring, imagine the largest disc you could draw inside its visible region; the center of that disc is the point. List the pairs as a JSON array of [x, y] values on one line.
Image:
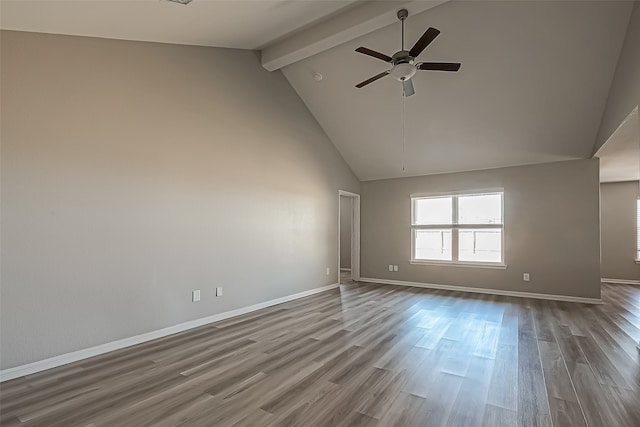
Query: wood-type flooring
[[363, 355]]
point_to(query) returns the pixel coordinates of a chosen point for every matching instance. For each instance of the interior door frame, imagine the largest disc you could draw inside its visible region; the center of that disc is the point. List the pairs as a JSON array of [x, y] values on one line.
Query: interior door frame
[[355, 234]]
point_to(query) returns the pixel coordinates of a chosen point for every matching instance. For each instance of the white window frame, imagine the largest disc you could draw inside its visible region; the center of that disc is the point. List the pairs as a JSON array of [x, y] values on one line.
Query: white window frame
[[454, 227]]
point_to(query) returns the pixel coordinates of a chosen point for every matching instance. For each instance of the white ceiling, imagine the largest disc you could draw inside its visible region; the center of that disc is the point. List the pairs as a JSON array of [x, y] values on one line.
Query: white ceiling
[[620, 155], [242, 24], [532, 88]]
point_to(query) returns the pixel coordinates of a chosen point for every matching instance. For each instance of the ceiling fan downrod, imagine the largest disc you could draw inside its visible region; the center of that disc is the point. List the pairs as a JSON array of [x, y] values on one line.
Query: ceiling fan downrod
[[402, 15]]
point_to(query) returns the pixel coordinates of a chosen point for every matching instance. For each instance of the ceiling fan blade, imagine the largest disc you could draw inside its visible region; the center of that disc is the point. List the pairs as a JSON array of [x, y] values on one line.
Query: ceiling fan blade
[[424, 41], [439, 66], [373, 53], [372, 79], [407, 88]]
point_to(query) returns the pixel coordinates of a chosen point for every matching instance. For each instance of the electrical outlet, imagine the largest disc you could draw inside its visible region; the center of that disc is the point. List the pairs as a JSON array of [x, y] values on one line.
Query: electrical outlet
[[219, 291], [526, 277], [328, 271], [395, 268], [195, 295], [390, 267]]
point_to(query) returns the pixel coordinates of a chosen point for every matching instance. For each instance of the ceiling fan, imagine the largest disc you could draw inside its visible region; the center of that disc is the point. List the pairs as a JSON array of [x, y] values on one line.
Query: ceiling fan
[[404, 62]]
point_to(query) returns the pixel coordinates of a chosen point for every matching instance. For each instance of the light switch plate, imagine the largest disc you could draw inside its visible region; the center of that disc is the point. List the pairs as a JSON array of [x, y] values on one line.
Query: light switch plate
[[195, 295]]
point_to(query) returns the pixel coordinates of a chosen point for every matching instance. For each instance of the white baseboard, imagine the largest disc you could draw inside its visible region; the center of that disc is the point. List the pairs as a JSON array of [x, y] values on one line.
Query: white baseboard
[[63, 359], [486, 291], [621, 281]]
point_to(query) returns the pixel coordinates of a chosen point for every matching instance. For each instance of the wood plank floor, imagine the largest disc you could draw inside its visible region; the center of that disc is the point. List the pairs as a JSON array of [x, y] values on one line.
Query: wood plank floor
[[370, 355]]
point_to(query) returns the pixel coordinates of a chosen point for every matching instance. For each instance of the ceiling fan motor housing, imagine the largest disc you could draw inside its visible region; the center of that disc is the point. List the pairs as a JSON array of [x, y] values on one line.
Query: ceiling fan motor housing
[[403, 68]]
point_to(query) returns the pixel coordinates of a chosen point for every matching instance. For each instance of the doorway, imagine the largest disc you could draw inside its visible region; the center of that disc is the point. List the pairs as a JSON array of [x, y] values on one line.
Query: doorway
[[620, 203], [348, 237]]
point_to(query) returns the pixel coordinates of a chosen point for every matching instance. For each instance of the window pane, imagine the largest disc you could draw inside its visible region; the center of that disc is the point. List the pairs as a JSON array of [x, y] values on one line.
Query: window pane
[[433, 244], [481, 245], [480, 209], [437, 210]]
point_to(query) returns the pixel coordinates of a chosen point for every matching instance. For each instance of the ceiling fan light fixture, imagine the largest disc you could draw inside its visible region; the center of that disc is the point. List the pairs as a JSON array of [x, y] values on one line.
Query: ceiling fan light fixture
[[185, 2], [403, 71]]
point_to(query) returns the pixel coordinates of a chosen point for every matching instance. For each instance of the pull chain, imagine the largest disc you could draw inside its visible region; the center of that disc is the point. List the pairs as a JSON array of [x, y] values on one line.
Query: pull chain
[[403, 135]]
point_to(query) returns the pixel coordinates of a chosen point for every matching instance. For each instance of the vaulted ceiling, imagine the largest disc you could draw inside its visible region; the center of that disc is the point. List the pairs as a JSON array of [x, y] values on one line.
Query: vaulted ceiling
[[532, 88]]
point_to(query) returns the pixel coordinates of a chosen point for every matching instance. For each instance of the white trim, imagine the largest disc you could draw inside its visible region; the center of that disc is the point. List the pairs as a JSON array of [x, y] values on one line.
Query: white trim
[[345, 269], [473, 192], [621, 281], [494, 265], [458, 226], [355, 234], [486, 291], [63, 359], [347, 193]]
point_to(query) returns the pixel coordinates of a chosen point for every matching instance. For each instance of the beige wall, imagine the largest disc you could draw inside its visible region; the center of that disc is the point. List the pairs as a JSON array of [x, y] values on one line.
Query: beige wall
[[346, 218], [618, 230], [624, 95], [133, 173], [551, 216]]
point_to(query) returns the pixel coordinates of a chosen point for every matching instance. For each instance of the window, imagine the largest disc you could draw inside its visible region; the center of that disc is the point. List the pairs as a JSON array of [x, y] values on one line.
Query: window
[[458, 228]]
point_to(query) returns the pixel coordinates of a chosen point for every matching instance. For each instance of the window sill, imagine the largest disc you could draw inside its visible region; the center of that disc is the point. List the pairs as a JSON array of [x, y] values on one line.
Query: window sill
[[497, 266]]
